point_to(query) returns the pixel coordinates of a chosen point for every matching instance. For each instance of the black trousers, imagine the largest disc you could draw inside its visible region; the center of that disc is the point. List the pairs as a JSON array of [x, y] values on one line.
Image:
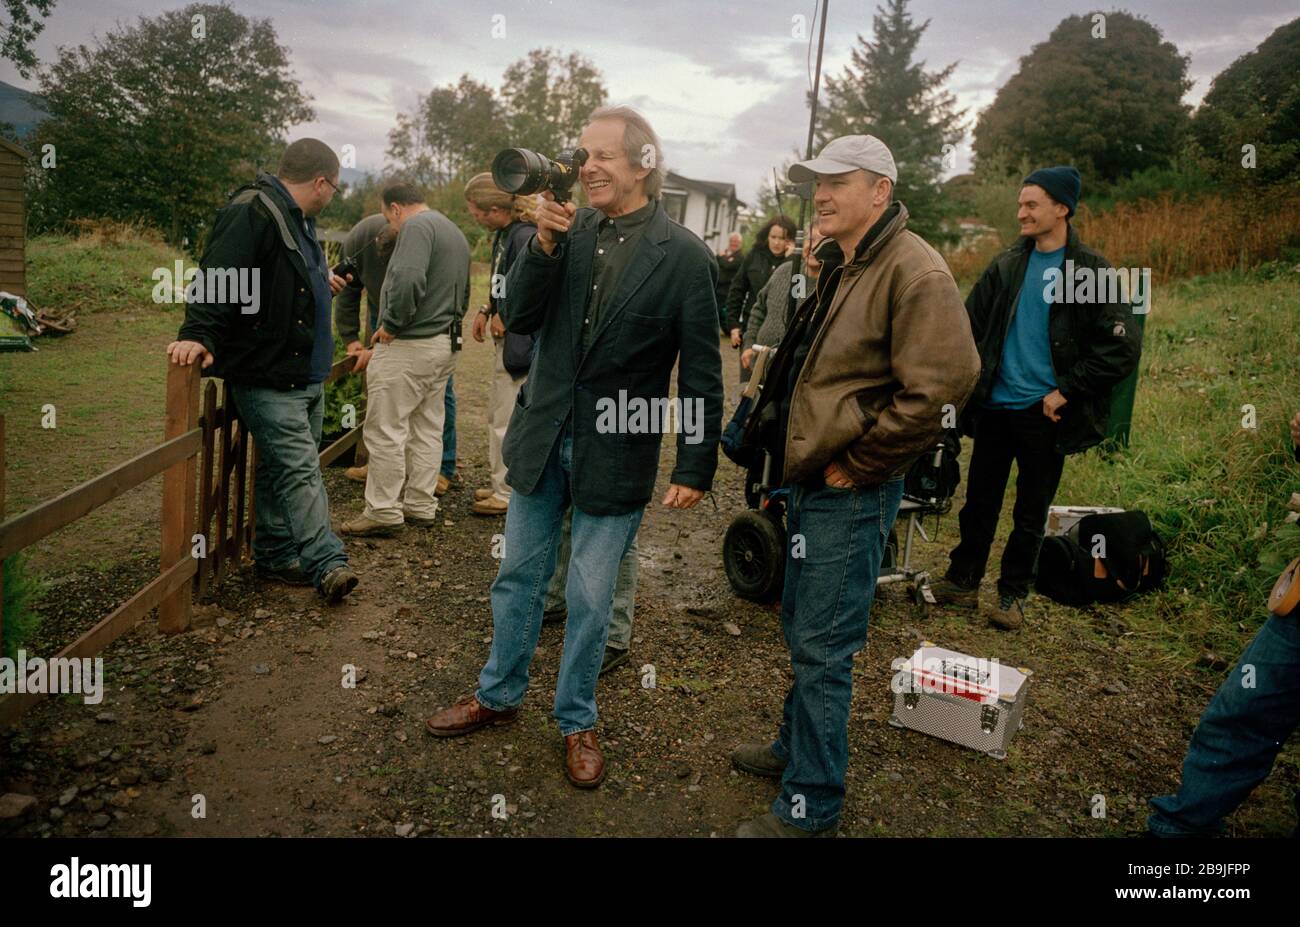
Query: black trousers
[[1028, 437]]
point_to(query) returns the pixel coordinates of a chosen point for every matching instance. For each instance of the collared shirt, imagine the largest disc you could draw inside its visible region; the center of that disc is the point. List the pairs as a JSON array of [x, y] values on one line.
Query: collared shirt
[[616, 240], [304, 230]]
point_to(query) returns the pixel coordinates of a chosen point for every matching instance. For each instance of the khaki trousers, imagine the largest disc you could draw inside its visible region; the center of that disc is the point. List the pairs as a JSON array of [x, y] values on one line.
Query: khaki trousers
[[501, 405], [406, 385]]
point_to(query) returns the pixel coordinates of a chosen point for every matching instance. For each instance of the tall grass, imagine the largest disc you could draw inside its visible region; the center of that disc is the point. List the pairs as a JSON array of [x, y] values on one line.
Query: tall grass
[[106, 267], [1190, 237]]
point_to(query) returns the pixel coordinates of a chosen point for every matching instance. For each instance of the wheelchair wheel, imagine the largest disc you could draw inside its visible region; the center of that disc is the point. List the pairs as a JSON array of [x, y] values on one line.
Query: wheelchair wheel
[[753, 555]]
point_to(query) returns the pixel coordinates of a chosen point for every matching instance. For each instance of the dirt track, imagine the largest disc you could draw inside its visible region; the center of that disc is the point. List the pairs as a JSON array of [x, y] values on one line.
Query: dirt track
[[248, 710]]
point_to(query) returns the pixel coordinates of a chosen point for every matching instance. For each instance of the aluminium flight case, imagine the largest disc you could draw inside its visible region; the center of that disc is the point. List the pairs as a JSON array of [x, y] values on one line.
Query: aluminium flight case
[[967, 700]]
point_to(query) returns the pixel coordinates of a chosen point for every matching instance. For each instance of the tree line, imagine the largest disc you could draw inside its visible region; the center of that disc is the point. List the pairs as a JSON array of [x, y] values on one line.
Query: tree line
[[159, 121]]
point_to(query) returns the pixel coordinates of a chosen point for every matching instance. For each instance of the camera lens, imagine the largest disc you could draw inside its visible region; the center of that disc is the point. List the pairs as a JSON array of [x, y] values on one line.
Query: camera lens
[[520, 171]]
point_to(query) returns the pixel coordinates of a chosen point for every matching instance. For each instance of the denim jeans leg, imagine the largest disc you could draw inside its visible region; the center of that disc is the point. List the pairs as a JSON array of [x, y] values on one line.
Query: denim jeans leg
[[286, 424], [620, 621], [599, 545], [273, 543], [449, 433], [518, 592], [555, 590], [1239, 736], [845, 532]]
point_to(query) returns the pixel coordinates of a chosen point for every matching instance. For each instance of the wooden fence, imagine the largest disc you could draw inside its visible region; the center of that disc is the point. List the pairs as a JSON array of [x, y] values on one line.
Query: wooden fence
[[207, 460]]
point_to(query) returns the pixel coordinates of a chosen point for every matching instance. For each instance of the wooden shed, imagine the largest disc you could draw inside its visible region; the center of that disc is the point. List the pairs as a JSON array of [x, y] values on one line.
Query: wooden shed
[[13, 218]]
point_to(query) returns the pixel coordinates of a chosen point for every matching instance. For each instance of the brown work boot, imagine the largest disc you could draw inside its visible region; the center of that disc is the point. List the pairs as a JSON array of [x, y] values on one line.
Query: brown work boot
[[337, 583], [489, 506], [482, 494], [949, 594], [1009, 615], [357, 474], [583, 762], [443, 485], [468, 714], [363, 527]]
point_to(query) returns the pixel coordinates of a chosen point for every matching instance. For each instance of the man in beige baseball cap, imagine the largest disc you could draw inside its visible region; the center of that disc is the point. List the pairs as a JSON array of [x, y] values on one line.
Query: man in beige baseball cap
[[865, 372]]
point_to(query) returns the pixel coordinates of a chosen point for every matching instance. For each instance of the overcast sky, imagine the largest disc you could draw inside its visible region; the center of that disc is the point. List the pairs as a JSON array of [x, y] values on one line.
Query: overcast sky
[[723, 83]]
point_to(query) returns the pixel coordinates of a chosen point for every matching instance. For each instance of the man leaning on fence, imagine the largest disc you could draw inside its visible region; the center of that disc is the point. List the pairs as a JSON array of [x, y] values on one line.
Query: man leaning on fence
[[275, 354]]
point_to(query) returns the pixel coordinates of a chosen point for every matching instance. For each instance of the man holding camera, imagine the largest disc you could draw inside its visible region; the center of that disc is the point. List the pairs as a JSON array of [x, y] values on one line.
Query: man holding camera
[[621, 297], [274, 359], [425, 294], [857, 391]]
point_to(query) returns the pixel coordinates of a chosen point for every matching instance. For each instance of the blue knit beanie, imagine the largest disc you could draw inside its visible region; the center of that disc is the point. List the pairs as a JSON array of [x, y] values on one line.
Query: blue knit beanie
[[1062, 184]]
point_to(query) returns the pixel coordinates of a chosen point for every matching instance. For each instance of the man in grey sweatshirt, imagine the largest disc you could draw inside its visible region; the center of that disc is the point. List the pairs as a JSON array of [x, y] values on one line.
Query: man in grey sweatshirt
[[424, 296]]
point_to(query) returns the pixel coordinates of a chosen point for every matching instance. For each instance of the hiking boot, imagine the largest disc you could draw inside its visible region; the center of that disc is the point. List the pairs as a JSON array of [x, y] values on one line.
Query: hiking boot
[[291, 575], [769, 825], [363, 527], [419, 521], [337, 583], [949, 594], [757, 760], [482, 494], [443, 485], [1010, 614], [614, 656], [489, 506], [357, 474]]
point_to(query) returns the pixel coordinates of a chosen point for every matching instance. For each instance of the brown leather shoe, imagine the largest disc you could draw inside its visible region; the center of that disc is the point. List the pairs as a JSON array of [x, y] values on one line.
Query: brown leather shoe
[[482, 494], [583, 762], [489, 506], [357, 474], [441, 487], [468, 714]]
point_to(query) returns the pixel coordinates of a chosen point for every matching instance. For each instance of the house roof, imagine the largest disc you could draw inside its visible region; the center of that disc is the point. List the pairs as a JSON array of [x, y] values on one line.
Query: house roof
[[16, 149], [727, 190]]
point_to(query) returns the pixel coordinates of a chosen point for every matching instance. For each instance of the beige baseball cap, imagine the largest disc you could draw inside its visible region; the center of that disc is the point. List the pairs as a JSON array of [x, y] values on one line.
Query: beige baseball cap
[[844, 154]]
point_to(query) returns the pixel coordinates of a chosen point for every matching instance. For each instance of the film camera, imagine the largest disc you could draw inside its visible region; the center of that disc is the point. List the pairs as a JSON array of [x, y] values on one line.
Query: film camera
[[523, 173]]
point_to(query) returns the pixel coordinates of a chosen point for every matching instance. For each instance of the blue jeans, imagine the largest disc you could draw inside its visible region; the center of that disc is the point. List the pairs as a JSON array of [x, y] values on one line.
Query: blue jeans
[[824, 609], [620, 622], [448, 468], [533, 525], [292, 521], [1239, 736]]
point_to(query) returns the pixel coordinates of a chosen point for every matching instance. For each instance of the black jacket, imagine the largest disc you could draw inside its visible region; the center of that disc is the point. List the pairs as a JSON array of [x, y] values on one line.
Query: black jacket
[[754, 271], [273, 346], [507, 244], [728, 266], [662, 312], [1094, 344]]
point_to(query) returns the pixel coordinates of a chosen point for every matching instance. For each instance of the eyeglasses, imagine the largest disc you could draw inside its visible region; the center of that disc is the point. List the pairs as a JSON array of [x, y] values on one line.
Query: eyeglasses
[[331, 183]]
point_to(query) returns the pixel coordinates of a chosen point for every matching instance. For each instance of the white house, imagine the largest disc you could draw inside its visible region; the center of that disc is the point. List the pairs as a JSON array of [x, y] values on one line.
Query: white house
[[708, 208]]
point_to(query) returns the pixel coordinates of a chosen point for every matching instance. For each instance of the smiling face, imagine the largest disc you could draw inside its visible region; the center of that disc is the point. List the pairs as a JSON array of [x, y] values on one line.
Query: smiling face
[[612, 185], [1038, 213], [847, 205]]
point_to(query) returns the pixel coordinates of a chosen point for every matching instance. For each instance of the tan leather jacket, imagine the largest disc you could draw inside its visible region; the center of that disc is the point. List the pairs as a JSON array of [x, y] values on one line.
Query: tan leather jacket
[[894, 349]]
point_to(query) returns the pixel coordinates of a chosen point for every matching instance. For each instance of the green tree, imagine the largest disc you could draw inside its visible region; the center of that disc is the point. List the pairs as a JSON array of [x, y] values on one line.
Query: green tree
[[1255, 101], [20, 24], [454, 132], [159, 122], [1104, 93], [887, 93], [548, 97]]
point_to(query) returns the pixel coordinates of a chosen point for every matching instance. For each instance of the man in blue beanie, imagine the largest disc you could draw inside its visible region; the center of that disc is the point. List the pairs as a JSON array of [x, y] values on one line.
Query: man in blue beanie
[[1050, 352]]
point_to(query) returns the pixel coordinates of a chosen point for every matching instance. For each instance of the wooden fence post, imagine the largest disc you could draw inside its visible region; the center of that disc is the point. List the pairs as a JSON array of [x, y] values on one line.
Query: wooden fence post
[[178, 496]]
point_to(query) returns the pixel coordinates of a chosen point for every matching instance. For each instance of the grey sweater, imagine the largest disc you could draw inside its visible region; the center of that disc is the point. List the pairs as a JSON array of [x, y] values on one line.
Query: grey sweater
[[427, 284], [766, 323]]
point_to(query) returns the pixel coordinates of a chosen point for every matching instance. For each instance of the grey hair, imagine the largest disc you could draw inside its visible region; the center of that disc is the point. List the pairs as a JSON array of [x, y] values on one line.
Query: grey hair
[[637, 136]]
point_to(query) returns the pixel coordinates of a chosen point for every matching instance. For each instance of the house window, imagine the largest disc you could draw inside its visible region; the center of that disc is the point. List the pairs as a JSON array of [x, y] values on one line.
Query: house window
[[675, 206]]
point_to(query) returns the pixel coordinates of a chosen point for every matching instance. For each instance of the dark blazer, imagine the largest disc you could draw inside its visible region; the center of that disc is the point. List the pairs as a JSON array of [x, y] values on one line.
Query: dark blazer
[[272, 347], [663, 308]]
